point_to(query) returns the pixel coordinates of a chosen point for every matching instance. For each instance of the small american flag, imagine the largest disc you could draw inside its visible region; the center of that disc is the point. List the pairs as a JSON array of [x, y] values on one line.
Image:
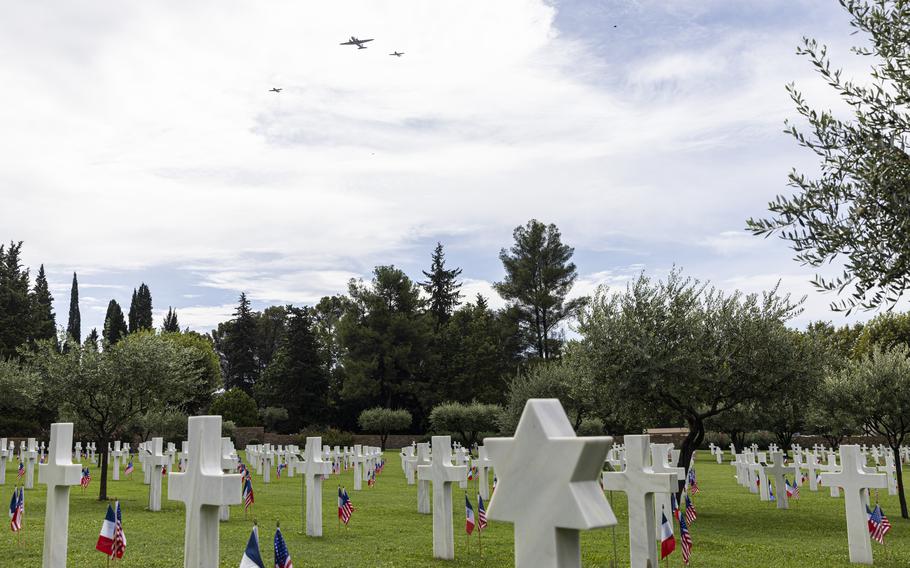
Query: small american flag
[[282, 556], [880, 524], [16, 509], [693, 482], [686, 540], [86, 478], [247, 494], [21, 471], [481, 514], [691, 515], [345, 507], [119, 545], [129, 468]]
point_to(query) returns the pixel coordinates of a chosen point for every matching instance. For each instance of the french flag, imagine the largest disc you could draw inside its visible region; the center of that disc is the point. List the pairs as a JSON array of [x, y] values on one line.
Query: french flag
[[106, 537], [667, 540], [251, 557]]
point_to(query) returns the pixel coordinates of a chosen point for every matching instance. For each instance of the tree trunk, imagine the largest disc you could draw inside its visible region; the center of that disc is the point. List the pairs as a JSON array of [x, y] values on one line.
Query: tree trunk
[[693, 440], [898, 470], [102, 486]]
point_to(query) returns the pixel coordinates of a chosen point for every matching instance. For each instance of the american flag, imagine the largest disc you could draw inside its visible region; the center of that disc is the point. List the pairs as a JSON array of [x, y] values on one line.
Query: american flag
[[16, 509], [693, 482], [691, 515], [129, 468], [281, 467], [880, 523], [86, 478], [345, 507], [686, 540], [21, 471], [481, 514], [119, 545], [247, 494], [282, 556]]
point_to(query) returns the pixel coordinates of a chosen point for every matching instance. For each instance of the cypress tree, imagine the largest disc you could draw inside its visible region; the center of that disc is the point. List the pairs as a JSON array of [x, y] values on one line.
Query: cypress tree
[[240, 348], [15, 313], [115, 327], [442, 287], [140, 315], [74, 324], [44, 325], [170, 321], [91, 340]]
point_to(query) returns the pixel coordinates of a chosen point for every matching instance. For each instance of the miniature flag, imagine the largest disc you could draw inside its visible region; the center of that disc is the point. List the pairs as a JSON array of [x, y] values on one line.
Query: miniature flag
[[86, 477], [481, 514], [693, 482], [882, 525], [21, 471], [869, 524], [129, 468], [119, 546], [248, 499], [472, 472], [251, 557], [105, 542], [667, 540], [468, 515], [691, 515], [348, 506], [674, 508], [771, 492], [686, 540], [343, 512], [164, 471], [282, 556], [281, 466], [16, 509], [788, 487]]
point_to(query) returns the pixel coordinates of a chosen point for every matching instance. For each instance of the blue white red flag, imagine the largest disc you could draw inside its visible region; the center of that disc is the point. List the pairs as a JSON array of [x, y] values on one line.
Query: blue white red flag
[[251, 557]]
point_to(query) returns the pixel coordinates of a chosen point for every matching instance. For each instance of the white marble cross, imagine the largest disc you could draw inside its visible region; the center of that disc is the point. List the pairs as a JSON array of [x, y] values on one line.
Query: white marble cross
[[889, 469], [483, 463], [203, 488], [408, 457], [660, 464], [548, 486], [155, 462], [855, 482], [423, 485], [31, 458], [59, 474], [115, 456], [639, 482], [832, 467], [228, 465], [314, 468], [812, 470], [442, 474], [359, 460], [461, 458], [778, 471], [4, 455]]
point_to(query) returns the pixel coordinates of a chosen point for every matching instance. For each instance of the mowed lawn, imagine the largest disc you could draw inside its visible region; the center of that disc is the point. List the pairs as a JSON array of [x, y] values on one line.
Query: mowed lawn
[[733, 528]]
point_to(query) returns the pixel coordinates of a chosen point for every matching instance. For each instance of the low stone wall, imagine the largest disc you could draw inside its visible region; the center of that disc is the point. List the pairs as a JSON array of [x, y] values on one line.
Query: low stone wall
[[393, 442]]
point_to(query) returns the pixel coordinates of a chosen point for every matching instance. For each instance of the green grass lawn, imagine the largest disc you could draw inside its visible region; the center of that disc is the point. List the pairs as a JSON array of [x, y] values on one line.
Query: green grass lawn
[[733, 529]]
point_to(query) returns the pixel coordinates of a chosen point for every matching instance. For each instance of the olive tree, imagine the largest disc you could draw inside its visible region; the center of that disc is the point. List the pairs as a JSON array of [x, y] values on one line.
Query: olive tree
[[469, 421], [679, 347], [876, 391], [383, 421], [106, 390]]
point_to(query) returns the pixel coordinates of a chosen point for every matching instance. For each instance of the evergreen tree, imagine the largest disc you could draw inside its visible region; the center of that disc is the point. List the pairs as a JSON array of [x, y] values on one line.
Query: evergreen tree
[[15, 313], [170, 321], [539, 275], [115, 327], [44, 325], [442, 287], [91, 340], [140, 315], [74, 323], [238, 342], [298, 379]]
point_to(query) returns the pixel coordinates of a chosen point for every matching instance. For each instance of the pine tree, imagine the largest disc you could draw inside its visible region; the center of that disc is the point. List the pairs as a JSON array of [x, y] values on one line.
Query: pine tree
[[241, 366], [115, 327], [442, 287], [44, 325], [539, 276], [74, 324], [91, 340], [170, 321], [15, 313], [140, 315]]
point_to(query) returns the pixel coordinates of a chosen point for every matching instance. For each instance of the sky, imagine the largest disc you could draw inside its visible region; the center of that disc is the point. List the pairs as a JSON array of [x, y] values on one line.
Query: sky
[[141, 143]]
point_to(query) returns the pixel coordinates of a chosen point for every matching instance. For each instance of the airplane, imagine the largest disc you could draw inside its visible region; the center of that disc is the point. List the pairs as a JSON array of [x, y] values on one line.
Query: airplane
[[397, 53], [275, 90], [358, 42]]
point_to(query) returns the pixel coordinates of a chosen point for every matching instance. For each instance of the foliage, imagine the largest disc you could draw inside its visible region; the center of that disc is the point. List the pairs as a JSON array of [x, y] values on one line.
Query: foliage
[[719, 439], [875, 389], [228, 427], [140, 314], [107, 390], [44, 324], [237, 406], [115, 327], [677, 346], [383, 421], [858, 206], [591, 427], [539, 276], [885, 330], [442, 287], [236, 344], [170, 324], [330, 436], [384, 335], [271, 416], [74, 322], [20, 399], [167, 423], [205, 361], [469, 421], [15, 314]]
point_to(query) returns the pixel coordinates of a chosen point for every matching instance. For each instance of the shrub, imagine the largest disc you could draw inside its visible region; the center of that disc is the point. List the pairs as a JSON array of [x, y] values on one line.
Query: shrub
[[383, 421], [718, 439], [237, 406], [330, 436], [271, 416], [468, 421], [591, 427]]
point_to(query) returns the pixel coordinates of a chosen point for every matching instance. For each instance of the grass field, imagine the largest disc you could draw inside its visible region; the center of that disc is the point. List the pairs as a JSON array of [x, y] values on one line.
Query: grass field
[[734, 529]]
